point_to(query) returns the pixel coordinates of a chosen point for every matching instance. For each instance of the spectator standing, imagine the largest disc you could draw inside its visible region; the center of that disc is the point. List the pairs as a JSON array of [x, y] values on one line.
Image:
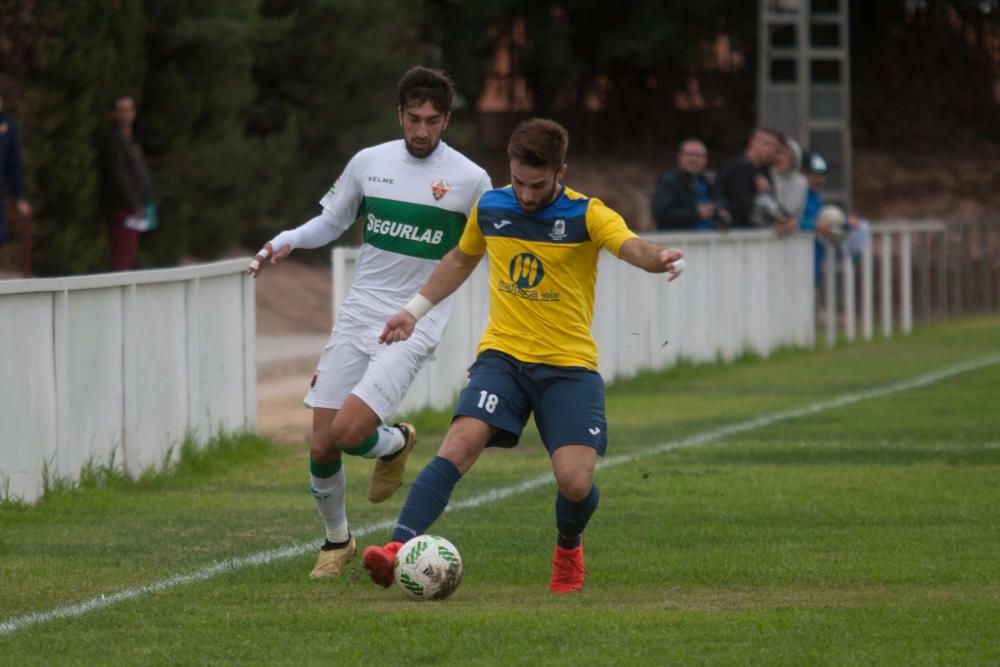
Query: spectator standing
[[790, 186], [743, 178], [126, 183], [11, 174], [683, 196]]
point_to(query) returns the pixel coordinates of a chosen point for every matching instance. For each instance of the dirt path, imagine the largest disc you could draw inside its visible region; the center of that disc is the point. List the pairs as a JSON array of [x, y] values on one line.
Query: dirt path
[[293, 298]]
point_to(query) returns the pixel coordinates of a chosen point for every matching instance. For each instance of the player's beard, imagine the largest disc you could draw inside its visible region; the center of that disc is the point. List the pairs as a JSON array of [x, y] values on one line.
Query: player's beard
[[421, 151], [542, 202]]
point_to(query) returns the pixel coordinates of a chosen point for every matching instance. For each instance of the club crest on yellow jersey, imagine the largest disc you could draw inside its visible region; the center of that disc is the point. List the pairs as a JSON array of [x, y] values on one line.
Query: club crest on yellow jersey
[[558, 232]]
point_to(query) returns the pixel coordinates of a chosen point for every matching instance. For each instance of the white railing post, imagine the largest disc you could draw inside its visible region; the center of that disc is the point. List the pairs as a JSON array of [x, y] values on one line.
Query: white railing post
[[60, 343], [868, 290], [250, 350], [906, 282], [847, 267], [193, 360], [830, 289], [886, 263], [130, 418]]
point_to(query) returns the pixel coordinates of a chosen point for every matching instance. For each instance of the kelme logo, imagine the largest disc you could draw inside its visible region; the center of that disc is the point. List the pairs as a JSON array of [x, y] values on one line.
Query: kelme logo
[[526, 270]]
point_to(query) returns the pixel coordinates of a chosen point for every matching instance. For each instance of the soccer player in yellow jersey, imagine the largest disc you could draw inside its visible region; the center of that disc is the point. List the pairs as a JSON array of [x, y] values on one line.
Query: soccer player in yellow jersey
[[537, 353]]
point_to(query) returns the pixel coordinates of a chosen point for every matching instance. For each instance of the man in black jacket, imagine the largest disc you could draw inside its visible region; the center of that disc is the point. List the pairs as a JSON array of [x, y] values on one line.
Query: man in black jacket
[[744, 178], [683, 196]]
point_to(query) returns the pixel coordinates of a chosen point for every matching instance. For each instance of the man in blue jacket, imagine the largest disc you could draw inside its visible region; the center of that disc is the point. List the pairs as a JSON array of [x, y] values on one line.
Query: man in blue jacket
[[11, 175]]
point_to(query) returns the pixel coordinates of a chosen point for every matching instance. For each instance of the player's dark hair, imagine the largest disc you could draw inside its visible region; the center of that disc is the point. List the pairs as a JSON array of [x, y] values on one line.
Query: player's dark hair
[[423, 84], [539, 142]]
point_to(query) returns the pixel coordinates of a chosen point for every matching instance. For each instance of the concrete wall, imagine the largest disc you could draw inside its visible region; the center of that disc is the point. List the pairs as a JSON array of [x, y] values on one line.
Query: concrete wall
[[121, 368]]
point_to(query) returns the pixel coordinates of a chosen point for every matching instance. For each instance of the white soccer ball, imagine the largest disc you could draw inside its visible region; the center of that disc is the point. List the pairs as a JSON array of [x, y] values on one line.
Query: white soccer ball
[[833, 215], [835, 221], [428, 567]]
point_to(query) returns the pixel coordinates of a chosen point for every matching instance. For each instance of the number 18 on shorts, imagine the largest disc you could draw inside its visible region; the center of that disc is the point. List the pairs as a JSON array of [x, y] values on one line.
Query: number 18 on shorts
[[568, 403]]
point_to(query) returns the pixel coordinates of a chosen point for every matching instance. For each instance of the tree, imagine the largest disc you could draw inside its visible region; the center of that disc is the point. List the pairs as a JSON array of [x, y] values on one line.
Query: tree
[[934, 64], [611, 74], [214, 179], [84, 50], [329, 77]]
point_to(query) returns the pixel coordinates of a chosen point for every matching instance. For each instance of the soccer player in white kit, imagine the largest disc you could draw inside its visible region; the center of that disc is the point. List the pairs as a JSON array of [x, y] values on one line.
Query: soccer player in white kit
[[413, 196]]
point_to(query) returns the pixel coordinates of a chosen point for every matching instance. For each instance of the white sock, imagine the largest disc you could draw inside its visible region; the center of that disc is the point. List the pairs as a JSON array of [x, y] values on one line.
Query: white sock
[[390, 440], [329, 492]]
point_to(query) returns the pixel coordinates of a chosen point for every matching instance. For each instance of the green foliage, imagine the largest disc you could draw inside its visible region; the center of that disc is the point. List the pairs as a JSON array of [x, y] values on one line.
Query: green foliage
[[85, 50], [634, 58], [214, 182], [249, 110], [329, 77], [247, 114], [934, 64]]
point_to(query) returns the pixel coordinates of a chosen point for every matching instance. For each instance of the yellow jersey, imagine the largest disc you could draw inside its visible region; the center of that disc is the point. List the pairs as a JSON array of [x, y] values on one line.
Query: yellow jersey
[[543, 268]]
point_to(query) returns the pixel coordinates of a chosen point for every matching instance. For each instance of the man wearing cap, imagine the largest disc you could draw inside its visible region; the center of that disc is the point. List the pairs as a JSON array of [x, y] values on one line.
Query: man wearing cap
[[815, 169]]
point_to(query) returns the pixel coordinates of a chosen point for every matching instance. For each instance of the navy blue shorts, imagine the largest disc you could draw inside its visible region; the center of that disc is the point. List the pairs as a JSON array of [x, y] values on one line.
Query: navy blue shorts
[[568, 402]]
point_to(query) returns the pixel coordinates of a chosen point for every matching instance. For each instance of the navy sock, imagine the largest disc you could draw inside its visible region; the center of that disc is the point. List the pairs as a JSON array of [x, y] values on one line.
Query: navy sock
[[427, 499], [572, 518]]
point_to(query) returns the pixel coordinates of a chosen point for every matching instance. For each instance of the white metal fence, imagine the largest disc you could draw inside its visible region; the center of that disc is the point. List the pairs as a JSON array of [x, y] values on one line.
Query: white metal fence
[[121, 368], [911, 271], [747, 291]]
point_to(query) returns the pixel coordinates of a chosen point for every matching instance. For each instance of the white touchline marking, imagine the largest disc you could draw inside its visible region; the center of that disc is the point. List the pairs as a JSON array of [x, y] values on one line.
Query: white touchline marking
[[494, 495]]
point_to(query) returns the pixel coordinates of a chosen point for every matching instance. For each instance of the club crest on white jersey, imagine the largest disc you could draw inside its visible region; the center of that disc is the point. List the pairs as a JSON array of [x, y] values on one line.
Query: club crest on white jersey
[[439, 188]]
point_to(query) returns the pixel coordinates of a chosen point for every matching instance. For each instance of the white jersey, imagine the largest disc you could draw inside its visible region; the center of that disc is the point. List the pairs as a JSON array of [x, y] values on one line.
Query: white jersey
[[414, 211]]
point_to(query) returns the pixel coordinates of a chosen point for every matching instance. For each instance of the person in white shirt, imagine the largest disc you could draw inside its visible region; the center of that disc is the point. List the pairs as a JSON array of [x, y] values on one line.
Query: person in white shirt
[[413, 196], [790, 186]]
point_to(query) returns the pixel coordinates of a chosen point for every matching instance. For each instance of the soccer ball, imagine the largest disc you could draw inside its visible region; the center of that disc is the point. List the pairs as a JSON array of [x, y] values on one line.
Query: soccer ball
[[836, 222], [428, 568]]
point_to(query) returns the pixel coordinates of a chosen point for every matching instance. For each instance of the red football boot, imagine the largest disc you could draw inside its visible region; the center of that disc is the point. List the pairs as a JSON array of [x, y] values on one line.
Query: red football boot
[[567, 570], [379, 562]]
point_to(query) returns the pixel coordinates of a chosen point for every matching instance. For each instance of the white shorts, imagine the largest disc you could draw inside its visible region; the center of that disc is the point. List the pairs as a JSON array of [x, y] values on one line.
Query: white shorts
[[353, 362]]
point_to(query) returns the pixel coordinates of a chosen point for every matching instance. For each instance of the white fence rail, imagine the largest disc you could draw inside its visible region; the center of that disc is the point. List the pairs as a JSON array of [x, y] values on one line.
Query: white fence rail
[[121, 368], [911, 271], [746, 291]]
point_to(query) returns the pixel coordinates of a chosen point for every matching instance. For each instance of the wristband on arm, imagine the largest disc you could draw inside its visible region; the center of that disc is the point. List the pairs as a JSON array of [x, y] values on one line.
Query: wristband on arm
[[418, 306]]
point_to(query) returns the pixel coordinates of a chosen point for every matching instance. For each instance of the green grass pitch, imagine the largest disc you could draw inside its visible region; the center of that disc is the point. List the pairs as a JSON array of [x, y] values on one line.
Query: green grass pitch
[[860, 532]]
